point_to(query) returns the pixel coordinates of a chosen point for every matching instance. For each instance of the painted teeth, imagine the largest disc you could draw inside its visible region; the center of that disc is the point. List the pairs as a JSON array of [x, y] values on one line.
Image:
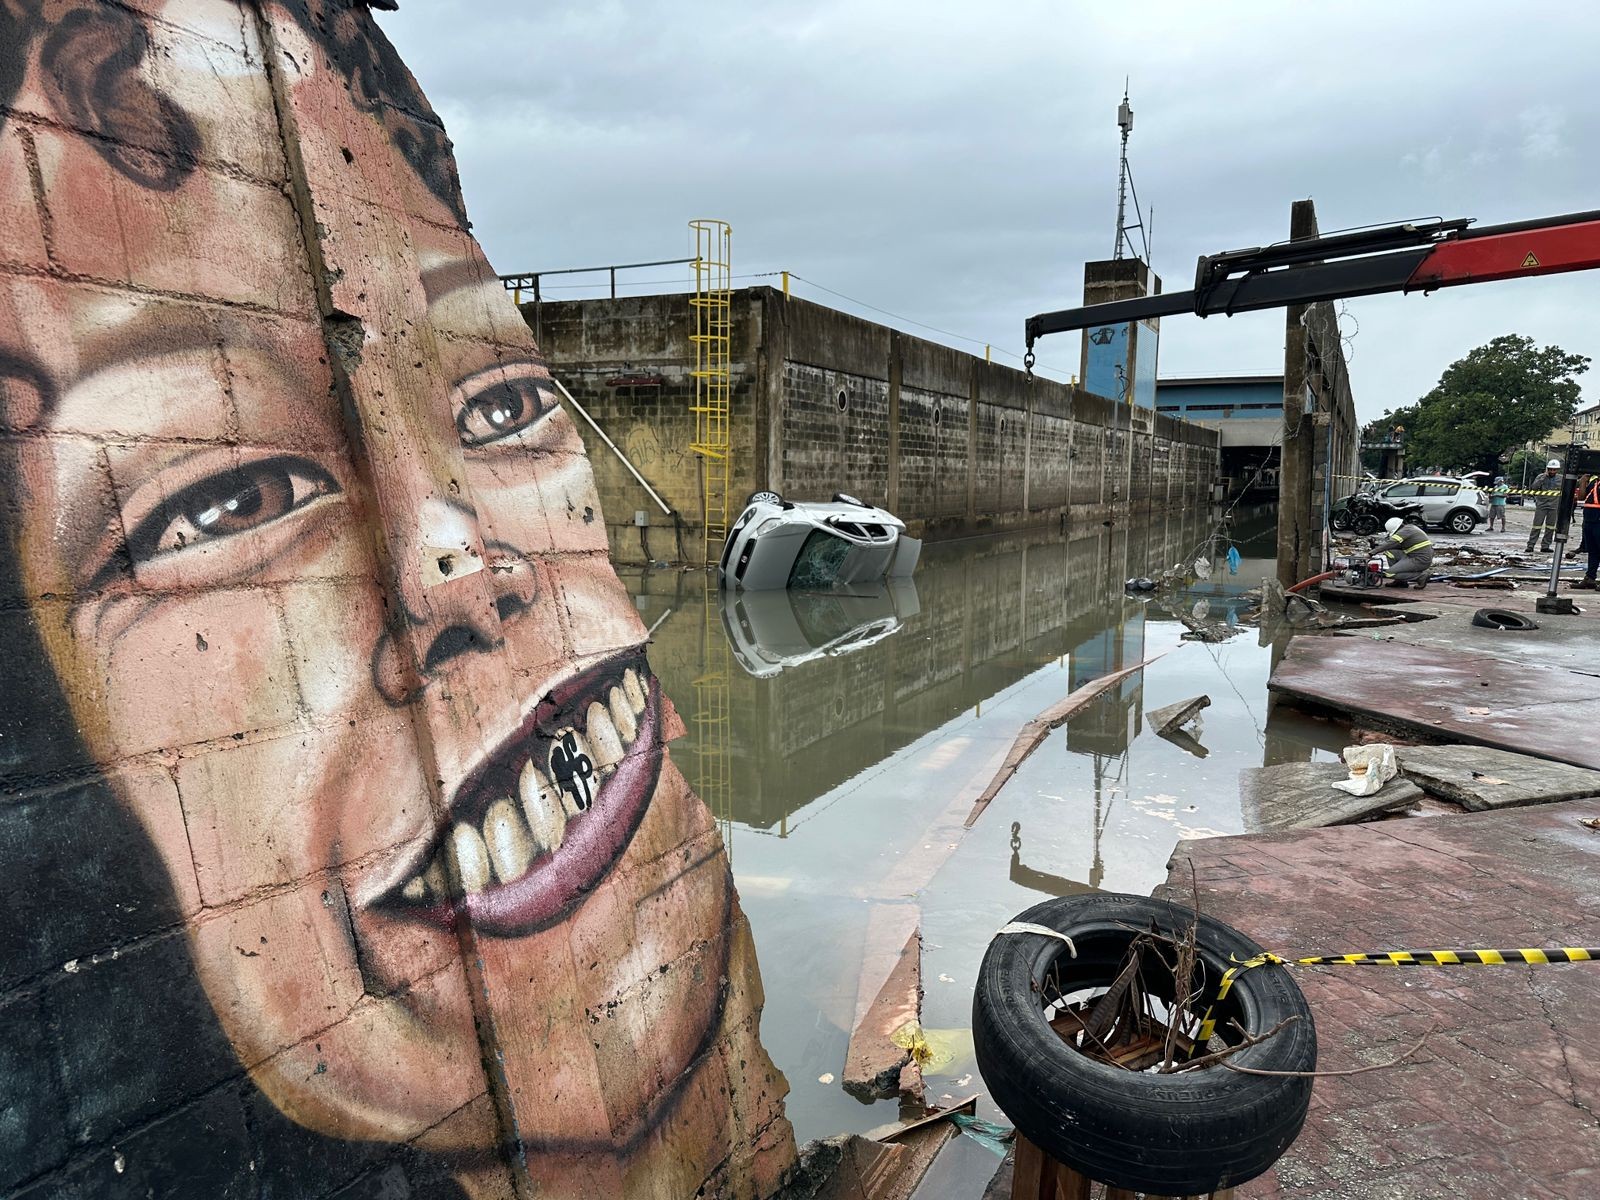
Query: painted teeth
[[633, 690], [471, 858], [603, 736], [517, 830], [622, 714], [573, 769], [547, 819], [510, 843]]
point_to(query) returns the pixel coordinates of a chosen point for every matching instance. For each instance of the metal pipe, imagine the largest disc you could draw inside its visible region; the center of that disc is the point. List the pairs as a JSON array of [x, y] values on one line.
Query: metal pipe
[[584, 413]]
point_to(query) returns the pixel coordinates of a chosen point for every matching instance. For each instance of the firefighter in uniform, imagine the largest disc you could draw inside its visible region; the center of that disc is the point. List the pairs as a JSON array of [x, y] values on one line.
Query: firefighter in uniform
[[1408, 552], [1588, 498], [1547, 498]]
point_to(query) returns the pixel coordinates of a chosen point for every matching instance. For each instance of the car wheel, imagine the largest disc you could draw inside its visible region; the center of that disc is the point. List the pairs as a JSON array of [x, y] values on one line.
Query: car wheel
[[1181, 1133], [1463, 520]]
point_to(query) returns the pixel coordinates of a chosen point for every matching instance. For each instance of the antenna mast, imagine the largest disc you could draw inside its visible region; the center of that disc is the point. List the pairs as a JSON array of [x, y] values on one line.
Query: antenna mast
[[1124, 123]]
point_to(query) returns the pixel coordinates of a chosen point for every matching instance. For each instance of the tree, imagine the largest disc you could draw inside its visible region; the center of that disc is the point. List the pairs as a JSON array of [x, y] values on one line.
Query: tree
[[1525, 464], [1499, 396]]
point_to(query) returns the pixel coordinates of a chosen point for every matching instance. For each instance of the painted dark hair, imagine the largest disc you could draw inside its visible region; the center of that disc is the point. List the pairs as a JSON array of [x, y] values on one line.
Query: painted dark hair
[[90, 65], [116, 1078]]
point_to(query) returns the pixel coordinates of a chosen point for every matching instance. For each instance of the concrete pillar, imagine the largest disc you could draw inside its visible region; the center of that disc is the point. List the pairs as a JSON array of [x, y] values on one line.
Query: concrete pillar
[[972, 448], [1295, 535], [896, 372], [1027, 455], [773, 353], [1114, 363]]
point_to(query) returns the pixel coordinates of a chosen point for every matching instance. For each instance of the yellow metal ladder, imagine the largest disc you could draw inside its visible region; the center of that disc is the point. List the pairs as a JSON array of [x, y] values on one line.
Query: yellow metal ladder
[[712, 305]]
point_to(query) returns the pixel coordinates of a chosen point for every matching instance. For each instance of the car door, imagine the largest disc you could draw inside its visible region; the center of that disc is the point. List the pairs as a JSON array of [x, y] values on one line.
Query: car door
[[1437, 501], [1404, 492]]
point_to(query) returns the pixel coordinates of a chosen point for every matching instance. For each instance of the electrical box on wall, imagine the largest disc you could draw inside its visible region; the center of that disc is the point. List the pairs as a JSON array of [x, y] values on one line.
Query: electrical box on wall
[[641, 518]]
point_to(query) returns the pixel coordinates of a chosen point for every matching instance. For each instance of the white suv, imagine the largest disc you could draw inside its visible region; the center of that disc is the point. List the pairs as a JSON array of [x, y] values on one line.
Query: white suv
[[1456, 504]]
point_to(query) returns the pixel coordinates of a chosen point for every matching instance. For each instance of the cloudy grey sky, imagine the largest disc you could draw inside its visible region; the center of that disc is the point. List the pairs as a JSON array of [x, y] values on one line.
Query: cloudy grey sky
[[955, 163]]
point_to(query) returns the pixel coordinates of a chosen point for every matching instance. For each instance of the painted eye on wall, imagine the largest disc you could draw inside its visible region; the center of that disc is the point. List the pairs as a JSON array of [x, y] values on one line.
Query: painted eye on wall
[[229, 502], [502, 407]]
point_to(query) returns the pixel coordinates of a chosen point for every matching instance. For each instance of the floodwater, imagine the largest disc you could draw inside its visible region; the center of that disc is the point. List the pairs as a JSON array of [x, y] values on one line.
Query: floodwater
[[840, 742]]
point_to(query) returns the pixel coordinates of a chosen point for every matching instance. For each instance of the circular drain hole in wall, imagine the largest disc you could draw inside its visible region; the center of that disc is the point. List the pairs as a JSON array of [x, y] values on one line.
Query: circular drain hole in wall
[[842, 399], [838, 706], [938, 417]]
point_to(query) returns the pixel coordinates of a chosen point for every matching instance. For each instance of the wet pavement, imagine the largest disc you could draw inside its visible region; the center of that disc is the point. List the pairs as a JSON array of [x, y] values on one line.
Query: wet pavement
[[840, 741], [1500, 1098]]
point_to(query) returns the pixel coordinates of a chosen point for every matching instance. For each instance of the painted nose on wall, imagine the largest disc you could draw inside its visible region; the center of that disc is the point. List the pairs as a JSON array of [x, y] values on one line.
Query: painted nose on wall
[[448, 602]]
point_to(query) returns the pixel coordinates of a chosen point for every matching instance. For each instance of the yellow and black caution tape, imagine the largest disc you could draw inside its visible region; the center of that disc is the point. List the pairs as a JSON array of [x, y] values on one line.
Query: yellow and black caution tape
[[1391, 958], [1486, 488]]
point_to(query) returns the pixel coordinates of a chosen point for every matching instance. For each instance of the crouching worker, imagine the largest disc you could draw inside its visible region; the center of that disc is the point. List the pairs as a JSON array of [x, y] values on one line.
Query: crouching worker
[[1408, 552]]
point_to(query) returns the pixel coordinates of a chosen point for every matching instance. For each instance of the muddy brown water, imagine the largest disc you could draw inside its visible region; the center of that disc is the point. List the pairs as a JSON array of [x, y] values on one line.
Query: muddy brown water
[[833, 736]]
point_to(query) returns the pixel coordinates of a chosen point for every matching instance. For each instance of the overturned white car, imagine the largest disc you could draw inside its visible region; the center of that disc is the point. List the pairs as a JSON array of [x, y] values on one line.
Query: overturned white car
[[778, 543]]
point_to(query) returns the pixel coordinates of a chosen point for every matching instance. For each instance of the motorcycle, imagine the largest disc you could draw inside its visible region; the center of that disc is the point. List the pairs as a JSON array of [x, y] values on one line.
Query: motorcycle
[[1366, 511]]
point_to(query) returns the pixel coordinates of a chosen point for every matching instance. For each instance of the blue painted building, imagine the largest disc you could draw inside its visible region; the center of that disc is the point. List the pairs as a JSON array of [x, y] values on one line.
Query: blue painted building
[[1222, 398], [1247, 410]]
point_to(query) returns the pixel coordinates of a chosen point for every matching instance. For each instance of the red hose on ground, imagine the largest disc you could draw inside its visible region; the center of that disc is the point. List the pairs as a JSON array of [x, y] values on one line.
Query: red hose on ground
[[1305, 583]]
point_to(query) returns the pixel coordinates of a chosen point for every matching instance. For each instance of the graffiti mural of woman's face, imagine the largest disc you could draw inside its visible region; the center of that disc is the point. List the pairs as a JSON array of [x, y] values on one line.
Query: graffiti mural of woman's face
[[342, 627]]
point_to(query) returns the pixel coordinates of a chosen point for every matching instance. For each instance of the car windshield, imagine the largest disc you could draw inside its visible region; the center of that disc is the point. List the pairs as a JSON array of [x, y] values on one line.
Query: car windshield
[[817, 565]]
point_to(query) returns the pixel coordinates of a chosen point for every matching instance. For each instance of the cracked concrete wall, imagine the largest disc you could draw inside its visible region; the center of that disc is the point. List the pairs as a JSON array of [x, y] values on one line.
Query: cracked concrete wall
[[342, 851]]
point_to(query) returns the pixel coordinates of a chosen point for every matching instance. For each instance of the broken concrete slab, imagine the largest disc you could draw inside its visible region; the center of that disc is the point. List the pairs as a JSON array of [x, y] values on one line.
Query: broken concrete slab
[[1480, 778], [890, 1166], [876, 1067], [1502, 1062], [1423, 691], [1170, 717], [1302, 796], [847, 1167]]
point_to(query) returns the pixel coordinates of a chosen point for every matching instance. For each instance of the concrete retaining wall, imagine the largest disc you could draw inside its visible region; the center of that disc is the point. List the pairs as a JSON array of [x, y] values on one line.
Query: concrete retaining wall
[[825, 402]]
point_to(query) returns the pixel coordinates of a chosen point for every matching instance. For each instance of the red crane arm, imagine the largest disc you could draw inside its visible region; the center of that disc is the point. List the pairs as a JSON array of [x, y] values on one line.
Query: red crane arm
[[1396, 258], [1491, 255]]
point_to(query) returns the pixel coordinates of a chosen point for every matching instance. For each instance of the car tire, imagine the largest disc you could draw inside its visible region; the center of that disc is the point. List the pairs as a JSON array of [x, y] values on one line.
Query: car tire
[[1184, 1133], [763, 497], [1499, 618], [1462, 520]]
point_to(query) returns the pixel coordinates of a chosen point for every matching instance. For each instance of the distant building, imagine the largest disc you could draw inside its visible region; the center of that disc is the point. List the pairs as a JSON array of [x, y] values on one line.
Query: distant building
[[1585, 427], [1246, 409]]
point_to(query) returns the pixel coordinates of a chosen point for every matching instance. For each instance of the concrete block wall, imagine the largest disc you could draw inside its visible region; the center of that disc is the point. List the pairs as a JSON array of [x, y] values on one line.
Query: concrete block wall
[[303, 576], [951, 444]]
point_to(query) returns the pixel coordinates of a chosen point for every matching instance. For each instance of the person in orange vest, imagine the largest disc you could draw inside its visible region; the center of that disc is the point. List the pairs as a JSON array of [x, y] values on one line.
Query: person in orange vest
[[1588, 498]]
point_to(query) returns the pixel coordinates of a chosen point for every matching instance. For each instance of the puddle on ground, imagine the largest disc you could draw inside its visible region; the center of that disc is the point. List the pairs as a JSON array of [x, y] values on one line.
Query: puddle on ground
[[837, 740]]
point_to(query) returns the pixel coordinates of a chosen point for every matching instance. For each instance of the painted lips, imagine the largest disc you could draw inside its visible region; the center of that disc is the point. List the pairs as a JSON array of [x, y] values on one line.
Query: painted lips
[[537, 825]]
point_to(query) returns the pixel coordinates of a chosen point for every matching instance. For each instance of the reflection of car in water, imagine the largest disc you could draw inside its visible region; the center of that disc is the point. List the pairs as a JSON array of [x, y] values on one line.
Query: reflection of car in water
[[775, 630], [778, 543]]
